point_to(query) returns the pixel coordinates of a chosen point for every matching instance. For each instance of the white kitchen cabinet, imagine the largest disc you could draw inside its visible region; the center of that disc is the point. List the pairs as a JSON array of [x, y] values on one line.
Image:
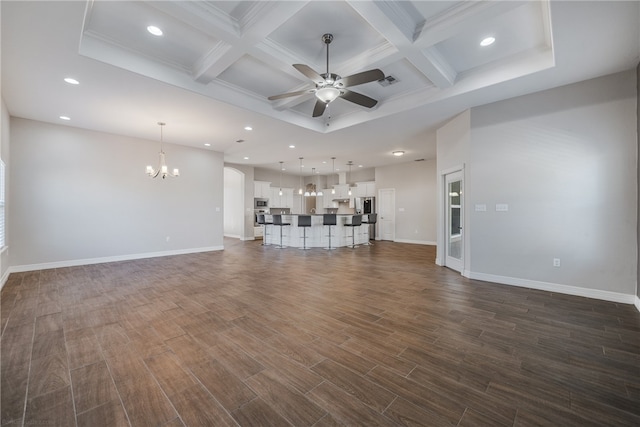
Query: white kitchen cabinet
[[327, 199], [278, 201], [342, 191], [262, 189], [365, 189], [287, 197]]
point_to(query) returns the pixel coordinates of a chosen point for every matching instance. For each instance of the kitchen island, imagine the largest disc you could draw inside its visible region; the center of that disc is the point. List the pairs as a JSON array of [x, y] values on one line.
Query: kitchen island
[[317, 234]]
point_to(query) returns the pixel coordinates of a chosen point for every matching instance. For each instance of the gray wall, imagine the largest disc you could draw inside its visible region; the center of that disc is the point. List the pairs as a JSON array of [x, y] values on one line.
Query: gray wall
[[415, 190], [82, 195], [4, 155], [453, 142], [638, 181], [561, 159], [233, 203], [248, 172]]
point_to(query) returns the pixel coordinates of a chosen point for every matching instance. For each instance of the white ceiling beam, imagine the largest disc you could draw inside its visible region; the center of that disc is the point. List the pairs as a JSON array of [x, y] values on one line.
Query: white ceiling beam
[[399, 30], [256, 25], [459, 18]]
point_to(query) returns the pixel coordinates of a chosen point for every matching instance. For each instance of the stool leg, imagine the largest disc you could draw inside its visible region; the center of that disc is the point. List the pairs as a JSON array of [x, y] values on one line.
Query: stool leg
[[264, 235], [280, 247], [330, 248], [304, 238], [366, 243], [353, 238]]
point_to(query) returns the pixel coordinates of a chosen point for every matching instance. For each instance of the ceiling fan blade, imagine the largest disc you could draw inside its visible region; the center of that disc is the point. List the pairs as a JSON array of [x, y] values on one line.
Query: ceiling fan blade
[[308, 71], [358, 98], [290, 94], [360, 78], [318, 110]]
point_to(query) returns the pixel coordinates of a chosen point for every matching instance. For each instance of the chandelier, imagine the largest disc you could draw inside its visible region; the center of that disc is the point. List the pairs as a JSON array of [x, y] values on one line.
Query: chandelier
[[162, 169]]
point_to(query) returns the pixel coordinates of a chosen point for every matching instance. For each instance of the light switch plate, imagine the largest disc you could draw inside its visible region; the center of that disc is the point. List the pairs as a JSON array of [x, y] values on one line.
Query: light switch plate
[[481, 208], [502, 207]]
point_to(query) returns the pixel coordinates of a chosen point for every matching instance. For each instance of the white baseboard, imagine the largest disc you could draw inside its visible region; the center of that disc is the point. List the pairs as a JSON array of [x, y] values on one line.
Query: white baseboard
[[637, 303], [248, 238], [233, 236], [102, 260], [555, 287], [4, 278], [416, 242]]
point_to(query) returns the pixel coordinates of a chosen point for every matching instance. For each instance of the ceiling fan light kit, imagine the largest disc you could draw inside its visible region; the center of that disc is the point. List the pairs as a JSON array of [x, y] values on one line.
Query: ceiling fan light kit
[[330, 86]]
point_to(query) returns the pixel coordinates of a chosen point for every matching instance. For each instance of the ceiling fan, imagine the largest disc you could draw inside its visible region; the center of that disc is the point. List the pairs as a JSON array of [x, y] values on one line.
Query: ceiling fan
[[330, 86]]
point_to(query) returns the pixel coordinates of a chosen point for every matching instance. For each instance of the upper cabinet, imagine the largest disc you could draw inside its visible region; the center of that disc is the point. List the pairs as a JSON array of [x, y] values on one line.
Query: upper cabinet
[[262, 189], [342, 191], [365, 189], [278, 201]]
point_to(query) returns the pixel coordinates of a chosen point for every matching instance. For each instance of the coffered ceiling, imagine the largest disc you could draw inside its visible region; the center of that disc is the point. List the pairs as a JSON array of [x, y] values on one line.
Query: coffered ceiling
[[217, 62]]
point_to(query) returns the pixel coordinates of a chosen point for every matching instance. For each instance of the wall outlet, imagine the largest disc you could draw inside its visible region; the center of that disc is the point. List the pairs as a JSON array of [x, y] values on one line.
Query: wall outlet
[[168, 238], [556, 262]]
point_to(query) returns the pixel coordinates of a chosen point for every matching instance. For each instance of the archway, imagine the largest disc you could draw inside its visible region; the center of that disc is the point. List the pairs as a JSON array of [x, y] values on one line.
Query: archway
[[234, 220]]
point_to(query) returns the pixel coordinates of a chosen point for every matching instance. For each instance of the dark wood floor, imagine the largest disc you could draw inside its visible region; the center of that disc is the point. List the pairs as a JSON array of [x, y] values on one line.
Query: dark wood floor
[[255, 336]]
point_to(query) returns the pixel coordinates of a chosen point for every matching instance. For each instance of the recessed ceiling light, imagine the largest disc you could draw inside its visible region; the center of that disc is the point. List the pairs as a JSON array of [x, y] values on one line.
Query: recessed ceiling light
[[359, 166], [292, 146], [154, 30], [65, 118], [487, 41], [398, 153], [246, 158], [239, 141], [248, 128], [206, 144], [71, 81]]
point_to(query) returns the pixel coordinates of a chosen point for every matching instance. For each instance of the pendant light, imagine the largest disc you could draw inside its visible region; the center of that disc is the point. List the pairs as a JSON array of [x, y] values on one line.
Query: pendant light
[[313, 191], [319, 193], [300, 189], [280, 192], [306, 191], [333, 171], [162, 170], [349, 177]]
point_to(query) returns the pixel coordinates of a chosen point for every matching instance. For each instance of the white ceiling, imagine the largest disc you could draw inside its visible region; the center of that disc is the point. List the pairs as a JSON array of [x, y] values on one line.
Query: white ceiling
[[211, 72]]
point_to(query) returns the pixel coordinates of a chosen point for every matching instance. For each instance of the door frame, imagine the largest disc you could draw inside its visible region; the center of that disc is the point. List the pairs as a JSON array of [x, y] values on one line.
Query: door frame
[[451, 261], [392, 192], [442, 202]]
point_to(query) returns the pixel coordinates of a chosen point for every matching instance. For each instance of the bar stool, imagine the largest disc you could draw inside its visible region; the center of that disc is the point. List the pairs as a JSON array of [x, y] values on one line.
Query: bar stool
[[277, 220], [263, 222], [356, 221], [371, 220], [304, 221], [329, 219]]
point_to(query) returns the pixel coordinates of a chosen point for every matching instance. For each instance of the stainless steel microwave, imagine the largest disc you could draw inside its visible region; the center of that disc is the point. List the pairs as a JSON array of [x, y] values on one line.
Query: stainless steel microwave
[[260, 203]]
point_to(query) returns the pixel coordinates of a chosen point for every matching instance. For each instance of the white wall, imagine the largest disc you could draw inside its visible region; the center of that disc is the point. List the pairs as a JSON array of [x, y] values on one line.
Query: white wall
[[82, 195], [415, 190], [564, 160], [233, 203]]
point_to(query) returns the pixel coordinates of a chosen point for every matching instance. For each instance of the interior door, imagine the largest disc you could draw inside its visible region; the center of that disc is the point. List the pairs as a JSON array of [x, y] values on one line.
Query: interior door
[[386, 214], [454, 194]]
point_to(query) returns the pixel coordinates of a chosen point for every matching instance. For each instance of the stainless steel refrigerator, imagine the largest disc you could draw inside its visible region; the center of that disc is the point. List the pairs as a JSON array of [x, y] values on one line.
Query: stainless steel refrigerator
[[365, 206]]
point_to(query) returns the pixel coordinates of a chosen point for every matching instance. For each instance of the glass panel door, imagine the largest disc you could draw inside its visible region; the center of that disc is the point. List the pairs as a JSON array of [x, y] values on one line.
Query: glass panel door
[[454, 236]]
